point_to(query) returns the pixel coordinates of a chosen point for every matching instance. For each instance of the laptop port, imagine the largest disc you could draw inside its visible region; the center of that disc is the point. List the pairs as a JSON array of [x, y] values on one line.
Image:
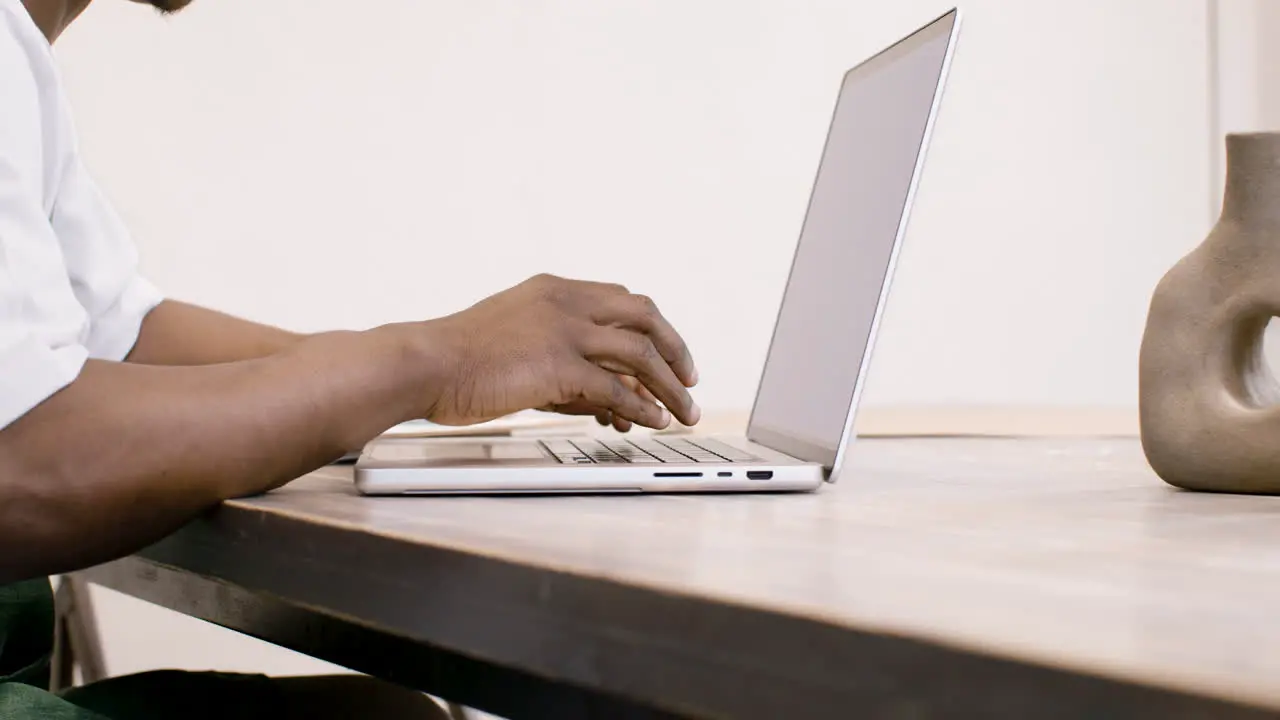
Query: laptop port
[[759, 474]]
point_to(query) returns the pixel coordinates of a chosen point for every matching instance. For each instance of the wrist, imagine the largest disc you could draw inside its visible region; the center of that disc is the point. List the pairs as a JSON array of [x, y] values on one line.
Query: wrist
[[426, 358]]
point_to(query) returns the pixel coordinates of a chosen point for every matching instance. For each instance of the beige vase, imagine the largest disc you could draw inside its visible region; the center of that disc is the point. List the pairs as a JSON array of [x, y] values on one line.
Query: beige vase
[[1209, 413]]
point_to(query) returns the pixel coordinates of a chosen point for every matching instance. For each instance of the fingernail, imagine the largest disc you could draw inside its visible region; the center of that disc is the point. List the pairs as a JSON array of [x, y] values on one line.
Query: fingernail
[[695, 414], [665, 419], [693, 377]]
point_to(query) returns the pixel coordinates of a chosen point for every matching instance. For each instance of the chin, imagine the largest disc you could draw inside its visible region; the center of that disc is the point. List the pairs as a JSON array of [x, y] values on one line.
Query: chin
[[166, 6]]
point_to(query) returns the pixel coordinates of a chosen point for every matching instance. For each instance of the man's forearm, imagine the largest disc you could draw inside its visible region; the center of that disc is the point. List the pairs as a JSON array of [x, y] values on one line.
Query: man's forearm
[[177, 333], [128, 453]]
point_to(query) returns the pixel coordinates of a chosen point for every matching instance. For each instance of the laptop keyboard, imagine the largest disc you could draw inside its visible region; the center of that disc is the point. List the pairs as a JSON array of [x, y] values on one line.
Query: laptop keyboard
[[647, 451]]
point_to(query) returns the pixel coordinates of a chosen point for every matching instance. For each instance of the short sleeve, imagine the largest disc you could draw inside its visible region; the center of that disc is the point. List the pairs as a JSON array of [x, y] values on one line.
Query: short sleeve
[[41, 324], [102, 264], [31, 371], [113, 334], [69, 287]]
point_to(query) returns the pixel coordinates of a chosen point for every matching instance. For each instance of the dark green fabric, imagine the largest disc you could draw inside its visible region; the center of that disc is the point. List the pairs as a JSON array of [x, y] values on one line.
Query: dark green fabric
[[26, 643], [26, 632], [19, 701], [172, 694]]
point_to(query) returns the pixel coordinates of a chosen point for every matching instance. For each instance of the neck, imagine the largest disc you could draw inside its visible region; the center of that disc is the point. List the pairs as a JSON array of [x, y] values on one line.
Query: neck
[[53, 16], [1253, 178]]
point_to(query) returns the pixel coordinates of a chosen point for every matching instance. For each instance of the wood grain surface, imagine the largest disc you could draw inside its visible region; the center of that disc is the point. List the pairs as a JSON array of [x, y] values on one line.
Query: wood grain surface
[[1051, 577]]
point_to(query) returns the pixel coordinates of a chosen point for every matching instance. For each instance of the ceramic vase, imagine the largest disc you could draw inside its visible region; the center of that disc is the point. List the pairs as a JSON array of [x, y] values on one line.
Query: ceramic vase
[[1209, 405]]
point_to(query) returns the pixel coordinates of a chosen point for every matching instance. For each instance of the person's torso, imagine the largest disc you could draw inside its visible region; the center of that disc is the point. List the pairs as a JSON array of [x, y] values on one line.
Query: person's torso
[[75, 267], [51, 219]]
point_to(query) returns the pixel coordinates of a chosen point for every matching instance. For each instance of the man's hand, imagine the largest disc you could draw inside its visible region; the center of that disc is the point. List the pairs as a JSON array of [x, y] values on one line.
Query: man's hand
[[154, 445], [177, 333], [567, 346], [605, 417]]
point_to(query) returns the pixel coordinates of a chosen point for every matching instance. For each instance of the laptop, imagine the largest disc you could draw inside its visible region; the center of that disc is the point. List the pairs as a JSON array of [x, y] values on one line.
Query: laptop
[[801, 424]]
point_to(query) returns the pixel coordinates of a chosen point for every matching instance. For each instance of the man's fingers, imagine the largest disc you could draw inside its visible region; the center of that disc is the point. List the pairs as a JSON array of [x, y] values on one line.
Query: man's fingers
[[582, 407], [604, 417], [638, 312], [607, 390], [644, 391], [578, 407], [632, 353], [622, 424]]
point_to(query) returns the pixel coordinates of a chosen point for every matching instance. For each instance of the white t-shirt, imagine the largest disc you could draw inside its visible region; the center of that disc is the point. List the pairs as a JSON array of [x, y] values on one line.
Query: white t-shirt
[[69, 283]]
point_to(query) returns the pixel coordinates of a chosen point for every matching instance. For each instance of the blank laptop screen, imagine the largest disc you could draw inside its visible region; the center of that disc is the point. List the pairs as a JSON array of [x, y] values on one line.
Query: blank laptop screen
[[843, 257]]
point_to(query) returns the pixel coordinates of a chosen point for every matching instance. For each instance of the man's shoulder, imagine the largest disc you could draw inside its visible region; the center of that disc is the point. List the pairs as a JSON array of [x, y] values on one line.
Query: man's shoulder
[[28, 94], [20, 40], [24, 64]]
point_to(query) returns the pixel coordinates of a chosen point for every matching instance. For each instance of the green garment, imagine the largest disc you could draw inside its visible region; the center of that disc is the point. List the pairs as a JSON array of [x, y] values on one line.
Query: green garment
[[26, 643], [26, 647]]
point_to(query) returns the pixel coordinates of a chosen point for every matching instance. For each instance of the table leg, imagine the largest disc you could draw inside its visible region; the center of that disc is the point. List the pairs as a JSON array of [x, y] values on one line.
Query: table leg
[[76, 639]]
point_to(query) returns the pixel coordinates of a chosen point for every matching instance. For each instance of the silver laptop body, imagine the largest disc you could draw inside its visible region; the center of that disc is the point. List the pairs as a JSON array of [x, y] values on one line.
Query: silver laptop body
[[802, 421]]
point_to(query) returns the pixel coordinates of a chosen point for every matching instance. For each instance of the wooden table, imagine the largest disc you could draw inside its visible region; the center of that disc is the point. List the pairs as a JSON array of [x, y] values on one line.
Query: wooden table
[[974, 577]]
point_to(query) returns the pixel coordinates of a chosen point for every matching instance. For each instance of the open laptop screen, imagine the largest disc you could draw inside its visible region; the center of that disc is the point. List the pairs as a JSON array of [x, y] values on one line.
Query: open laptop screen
[[856, 213]]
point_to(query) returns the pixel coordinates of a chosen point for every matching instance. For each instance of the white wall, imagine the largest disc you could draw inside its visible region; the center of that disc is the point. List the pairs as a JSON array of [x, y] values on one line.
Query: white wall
[[1246, 92], [307, 163], [311, 163], [1247, 72]]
